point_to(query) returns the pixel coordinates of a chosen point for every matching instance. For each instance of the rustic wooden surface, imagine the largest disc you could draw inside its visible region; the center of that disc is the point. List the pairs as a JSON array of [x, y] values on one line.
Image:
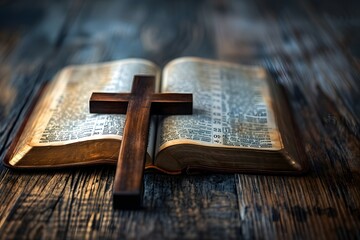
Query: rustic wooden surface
[[310, 47]]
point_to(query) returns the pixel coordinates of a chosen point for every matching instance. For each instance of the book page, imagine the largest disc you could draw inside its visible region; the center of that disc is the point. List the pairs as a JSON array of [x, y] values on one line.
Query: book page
[[62, 114], [232, 106], [69, 118]]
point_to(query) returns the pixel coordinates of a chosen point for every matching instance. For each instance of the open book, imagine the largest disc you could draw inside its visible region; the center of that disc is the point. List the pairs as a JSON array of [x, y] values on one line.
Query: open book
[[241, 121]]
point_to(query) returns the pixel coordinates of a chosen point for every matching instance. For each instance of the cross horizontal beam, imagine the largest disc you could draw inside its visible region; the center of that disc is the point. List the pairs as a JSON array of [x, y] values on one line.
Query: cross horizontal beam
[[161, 103]]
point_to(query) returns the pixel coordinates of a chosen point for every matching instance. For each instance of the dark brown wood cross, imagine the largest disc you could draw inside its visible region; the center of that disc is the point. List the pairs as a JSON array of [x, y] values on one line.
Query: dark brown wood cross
[[138, 106]]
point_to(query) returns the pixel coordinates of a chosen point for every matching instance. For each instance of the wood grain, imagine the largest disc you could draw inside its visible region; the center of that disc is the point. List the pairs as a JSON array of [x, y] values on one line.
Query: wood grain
[[310, 47]]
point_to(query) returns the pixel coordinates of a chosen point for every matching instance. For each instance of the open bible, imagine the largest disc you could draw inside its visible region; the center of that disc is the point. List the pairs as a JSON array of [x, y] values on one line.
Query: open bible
[[241, 120]]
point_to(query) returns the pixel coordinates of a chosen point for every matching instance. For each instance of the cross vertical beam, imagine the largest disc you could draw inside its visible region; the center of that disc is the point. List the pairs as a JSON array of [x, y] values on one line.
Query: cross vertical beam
[[138, 106]]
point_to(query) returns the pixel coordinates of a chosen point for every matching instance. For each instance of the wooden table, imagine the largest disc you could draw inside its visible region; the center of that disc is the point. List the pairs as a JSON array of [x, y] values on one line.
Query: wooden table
[[310, 47]]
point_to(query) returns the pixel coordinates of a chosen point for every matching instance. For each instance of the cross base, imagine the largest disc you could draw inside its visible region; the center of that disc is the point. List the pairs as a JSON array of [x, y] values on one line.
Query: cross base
[[127, 200]]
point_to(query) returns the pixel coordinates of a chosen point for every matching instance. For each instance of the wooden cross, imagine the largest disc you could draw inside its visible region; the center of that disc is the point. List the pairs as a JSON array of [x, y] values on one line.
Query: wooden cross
[[138, 106]]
